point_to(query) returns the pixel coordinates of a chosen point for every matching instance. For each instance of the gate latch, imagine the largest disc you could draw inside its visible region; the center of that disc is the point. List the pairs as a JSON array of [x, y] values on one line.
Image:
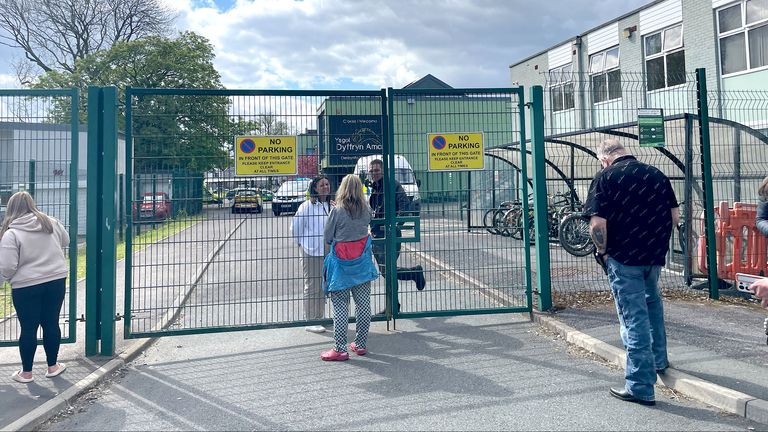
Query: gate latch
[[81, 319], [118, 317]]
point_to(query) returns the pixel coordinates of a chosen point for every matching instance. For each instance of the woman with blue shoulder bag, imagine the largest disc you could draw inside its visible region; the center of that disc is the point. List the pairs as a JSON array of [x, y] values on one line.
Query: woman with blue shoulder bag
[[349, 267]]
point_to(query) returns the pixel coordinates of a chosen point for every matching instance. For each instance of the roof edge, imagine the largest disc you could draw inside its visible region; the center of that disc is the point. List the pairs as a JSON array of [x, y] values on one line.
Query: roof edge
[[637, 10]]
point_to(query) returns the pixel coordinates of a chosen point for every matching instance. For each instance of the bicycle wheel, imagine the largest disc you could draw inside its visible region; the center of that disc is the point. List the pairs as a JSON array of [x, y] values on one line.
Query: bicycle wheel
[[507, 222], [488, 220], [514, 221], [574, 235]]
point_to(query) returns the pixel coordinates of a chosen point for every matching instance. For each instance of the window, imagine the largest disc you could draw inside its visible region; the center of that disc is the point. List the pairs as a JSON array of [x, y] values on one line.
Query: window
[[743, 35], [561, 88], [665, 58], [605, 76]]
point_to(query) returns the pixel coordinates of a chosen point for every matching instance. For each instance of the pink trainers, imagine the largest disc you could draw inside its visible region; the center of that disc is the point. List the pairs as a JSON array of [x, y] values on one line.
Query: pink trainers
[[358, 351], [333, 355]]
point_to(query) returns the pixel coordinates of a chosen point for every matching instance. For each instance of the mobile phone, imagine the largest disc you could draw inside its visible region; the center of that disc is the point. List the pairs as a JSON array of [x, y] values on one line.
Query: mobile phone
[[743, 281]]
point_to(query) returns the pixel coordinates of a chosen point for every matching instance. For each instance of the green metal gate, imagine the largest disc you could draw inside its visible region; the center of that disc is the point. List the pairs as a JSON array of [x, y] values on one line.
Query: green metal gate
[[39, 152], [195, 263], [468, 270]]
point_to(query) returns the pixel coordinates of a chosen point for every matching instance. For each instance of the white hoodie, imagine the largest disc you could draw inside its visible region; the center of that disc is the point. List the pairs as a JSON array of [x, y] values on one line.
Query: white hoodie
[[29, 255]]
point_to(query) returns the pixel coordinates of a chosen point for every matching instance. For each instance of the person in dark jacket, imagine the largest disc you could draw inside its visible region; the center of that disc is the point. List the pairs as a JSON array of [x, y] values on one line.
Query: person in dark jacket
[[402, 205]]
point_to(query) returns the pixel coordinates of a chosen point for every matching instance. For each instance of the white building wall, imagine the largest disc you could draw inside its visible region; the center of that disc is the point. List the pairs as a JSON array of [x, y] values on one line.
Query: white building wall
[[660, 16], [559, 56], [719, 3], [603, 38]]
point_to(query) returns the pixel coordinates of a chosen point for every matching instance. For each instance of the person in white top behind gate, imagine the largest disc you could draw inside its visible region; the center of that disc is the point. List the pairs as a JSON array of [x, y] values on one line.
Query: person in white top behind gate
[[307, 228], [32, 261]]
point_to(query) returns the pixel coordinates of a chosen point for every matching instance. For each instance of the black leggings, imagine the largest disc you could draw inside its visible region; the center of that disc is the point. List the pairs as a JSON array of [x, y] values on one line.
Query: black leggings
[[36, 306]]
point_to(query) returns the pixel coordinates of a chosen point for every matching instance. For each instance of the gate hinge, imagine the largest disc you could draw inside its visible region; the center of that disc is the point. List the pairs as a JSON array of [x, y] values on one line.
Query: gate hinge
[[81, 319], [118, 317]]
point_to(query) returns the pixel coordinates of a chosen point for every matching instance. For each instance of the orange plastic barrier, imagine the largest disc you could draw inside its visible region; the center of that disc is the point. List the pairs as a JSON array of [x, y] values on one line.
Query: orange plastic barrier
[[735, 230]]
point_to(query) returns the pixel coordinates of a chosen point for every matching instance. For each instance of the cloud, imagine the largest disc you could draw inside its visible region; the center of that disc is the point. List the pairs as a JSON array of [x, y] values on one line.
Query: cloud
[[8, 81], [372, 44]]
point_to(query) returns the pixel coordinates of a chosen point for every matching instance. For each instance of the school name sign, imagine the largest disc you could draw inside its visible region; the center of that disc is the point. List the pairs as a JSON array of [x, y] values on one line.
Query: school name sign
[[265, 155], [455, 151]]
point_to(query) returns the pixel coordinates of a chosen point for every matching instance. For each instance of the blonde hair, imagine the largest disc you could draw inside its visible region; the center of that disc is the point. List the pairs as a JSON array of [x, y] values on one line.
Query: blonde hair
[[763, 189], [20, 204], [350, 196]]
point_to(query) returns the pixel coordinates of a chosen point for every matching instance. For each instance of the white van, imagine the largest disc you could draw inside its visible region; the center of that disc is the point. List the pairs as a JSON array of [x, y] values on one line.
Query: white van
[[403, 174]]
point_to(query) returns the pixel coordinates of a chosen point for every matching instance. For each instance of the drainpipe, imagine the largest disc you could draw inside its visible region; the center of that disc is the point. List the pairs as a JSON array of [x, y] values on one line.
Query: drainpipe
[[579, 70]]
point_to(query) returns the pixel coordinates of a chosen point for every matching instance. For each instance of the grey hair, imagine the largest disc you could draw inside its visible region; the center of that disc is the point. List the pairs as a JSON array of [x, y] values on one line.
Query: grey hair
[[610, 148]]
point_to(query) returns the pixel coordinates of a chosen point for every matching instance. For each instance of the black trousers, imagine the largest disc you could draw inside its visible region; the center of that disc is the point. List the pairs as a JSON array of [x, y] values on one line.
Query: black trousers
[[379, 250], [39, 306]]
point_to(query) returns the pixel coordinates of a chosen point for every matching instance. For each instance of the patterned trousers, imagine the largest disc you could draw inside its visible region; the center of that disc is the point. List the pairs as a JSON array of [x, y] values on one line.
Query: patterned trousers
[[340, 299]]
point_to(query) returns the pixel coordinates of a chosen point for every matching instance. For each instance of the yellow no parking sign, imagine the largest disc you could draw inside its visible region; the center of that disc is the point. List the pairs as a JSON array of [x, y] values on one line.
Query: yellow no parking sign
[[455, 151], [265, 155]]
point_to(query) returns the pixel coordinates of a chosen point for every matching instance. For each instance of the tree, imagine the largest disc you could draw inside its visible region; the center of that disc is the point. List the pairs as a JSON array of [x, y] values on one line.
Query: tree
[[55, 34], [170, 132], [264, 124]]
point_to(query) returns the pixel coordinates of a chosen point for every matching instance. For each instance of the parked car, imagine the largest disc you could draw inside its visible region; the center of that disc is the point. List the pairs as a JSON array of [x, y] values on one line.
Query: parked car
[[247, 200], [266, 195], [153, 207], [230, 194], [289, 196]]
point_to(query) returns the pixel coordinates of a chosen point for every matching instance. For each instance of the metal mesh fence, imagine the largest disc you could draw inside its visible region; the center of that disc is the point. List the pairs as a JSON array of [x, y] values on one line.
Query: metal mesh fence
[[593, 113], [573, 131], [39, 152]]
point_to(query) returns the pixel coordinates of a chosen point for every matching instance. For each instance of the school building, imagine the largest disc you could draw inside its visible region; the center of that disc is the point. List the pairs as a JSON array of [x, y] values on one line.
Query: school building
[[654, 50]]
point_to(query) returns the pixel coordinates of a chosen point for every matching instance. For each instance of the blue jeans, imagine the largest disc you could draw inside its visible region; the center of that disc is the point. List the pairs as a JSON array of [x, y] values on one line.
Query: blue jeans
[[641, 315]]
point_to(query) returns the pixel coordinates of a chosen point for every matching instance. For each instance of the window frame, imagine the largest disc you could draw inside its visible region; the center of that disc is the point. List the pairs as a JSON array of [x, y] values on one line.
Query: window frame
[[744, 29], [664, 53], [605, 72], [558, 85]]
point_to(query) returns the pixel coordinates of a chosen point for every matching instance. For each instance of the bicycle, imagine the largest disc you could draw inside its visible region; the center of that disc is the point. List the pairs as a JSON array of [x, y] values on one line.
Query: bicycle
[[574, 235], [492, 219]]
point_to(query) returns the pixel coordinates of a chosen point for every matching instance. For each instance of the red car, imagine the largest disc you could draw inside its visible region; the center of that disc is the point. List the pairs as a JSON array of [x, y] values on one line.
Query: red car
[[153, 208]]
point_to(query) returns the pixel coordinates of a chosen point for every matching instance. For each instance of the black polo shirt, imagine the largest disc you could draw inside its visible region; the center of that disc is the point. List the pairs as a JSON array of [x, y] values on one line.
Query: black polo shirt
[[635, 198]]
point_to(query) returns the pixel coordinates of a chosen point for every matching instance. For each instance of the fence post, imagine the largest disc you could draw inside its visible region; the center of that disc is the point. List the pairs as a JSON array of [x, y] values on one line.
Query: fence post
[[93, 235], [100, 236], [31, 181], [706, 171], [109, 262], [120, 207], [543, 276], [522, 176]]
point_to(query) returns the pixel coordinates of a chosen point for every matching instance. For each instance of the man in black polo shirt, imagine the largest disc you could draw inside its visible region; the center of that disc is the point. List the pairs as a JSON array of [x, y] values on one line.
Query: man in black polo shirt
[[633, 209]]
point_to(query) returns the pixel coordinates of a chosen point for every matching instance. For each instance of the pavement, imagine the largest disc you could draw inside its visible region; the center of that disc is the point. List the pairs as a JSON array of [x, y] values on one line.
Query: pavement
[[414, 378]]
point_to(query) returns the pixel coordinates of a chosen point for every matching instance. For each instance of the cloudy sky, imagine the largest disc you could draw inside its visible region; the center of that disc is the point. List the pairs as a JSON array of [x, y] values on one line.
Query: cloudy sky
[[370, 44]]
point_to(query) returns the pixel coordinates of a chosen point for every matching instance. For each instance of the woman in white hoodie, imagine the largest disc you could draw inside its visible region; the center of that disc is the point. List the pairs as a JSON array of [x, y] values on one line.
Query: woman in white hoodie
[[32, 260], [307, 228]]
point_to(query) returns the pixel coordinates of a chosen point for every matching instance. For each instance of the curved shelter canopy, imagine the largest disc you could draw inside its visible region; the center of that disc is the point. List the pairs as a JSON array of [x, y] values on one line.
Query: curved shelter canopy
[[739, 155]]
